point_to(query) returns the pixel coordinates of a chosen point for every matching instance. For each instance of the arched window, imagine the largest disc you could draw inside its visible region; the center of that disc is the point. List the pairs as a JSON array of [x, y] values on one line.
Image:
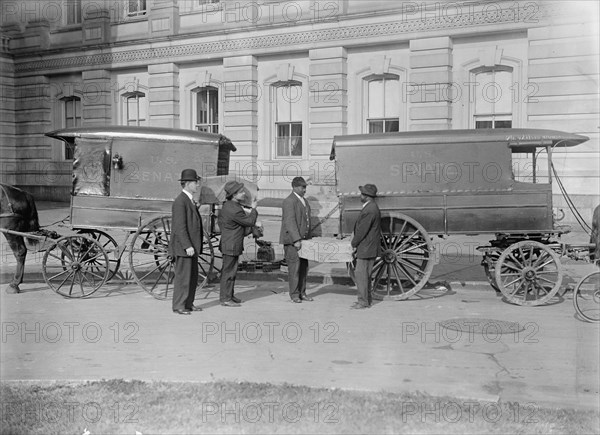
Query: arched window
[[383, 103], [288, 108], [135, 108], [491, 97], [206, 109], [71, 118]]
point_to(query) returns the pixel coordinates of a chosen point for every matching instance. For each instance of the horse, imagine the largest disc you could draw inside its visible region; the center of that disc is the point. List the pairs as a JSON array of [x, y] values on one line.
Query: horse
[[17, 213]]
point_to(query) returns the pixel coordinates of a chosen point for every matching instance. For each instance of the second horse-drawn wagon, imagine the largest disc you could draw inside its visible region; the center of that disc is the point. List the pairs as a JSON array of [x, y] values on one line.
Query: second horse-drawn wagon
[[125, 179], [449, 182]]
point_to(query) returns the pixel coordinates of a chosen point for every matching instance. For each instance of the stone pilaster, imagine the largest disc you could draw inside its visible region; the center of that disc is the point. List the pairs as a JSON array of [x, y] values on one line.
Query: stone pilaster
[[96, 27], [240, 114], [430, 84], [328, 98], [95, 102], [163, 96], [163, 18]]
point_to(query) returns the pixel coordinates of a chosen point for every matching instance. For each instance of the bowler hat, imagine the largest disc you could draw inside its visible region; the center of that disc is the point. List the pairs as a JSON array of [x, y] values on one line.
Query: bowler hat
[[369, 190], [298, 181], [233, 187], [189, 175]]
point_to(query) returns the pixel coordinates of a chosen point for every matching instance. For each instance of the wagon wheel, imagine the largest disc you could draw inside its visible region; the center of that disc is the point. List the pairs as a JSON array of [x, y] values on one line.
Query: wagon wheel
[[210, 262], [490, 258], [406, 260], [109, 244], [586, 297], [150, 262], [528, 273], [75, 266]]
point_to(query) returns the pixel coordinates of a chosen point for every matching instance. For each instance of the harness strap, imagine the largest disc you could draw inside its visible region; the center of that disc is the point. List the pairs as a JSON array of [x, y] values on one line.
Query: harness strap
[[10, 208]]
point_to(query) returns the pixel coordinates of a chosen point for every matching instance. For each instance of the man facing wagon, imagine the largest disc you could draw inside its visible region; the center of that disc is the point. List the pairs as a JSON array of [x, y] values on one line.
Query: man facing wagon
[[367, 243]]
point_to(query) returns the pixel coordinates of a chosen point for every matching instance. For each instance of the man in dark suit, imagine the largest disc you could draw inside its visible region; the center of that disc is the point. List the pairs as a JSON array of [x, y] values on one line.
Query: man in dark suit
[[295, 227], [367, 243], [235, 224], [186, 244]]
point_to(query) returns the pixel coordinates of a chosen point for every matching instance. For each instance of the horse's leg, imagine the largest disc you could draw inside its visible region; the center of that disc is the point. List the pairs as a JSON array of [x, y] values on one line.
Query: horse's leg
[[17, 245]]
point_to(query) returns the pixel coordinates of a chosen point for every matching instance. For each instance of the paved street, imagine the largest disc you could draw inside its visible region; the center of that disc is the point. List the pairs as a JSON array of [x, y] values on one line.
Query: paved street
[[546, 356]]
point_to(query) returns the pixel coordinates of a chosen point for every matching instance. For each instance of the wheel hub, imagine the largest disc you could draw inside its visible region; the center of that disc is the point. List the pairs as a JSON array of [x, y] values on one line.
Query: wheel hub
[[529, 274], [389, 256], [75, 265]]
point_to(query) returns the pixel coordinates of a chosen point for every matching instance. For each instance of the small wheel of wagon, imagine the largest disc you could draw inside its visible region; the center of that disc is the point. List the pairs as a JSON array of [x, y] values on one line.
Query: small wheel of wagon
[[586, 297], [151, 265], [490, 258], [109, 244], [75, 266], [528, 273], [406, 260]]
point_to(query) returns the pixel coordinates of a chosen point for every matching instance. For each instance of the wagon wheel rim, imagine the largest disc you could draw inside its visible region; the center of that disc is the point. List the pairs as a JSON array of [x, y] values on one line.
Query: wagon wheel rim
[[110, 245], [528, 273], [490, 258], [149, 260], [206, 261], [586, 297], [75, 266], [406, 259]]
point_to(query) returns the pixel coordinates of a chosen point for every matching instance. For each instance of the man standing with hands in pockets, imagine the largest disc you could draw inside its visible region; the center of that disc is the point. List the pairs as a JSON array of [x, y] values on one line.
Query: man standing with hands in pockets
[[295, 227], [186, 244], [367, 243], [235, 224]]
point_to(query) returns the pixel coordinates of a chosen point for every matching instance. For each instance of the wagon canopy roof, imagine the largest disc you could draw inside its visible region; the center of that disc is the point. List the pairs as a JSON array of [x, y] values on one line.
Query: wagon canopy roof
[[516, 138], [141, 133]]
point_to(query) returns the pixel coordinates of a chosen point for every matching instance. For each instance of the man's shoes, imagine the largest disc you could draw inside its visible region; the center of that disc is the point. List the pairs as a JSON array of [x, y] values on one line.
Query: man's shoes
[[357, 306], [194, 308], [184, 312], [306, 298], [296, 300], [230, 304], [236, 300]]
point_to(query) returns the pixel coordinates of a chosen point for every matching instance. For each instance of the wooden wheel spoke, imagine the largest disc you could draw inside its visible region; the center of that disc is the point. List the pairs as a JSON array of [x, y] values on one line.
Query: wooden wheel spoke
[[399, 280], [409, 264], [407, 274], [514, 259]]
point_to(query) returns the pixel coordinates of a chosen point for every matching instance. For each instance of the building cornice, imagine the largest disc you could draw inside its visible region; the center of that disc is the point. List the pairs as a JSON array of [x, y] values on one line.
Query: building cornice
[[510, 18]]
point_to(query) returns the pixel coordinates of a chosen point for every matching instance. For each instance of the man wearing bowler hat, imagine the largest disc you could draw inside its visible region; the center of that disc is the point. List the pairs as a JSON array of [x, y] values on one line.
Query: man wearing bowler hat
[[235, 224], [186, 243], [295, 227], [367, 244]]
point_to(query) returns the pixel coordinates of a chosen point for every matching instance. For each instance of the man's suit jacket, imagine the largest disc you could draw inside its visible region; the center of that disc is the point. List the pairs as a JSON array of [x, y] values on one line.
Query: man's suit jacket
[[186, 227], [235, 224], [295, 220], [367, 232]]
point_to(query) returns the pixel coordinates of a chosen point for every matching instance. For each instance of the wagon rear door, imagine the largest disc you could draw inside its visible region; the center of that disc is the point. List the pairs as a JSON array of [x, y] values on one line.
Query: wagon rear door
[[91, 167]]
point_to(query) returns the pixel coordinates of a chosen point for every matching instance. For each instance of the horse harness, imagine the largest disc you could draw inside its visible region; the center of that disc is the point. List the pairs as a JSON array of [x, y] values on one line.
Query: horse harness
[[11, 212]]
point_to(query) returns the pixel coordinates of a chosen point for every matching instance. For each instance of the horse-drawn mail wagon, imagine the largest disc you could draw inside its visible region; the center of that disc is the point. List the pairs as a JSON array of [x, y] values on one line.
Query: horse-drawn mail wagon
[[446, 182], [125, 178]]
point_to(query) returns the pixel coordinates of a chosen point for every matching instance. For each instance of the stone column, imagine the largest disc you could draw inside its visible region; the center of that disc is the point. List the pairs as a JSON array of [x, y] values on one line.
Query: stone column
[[163, 18], [95, 102], [240, 114], [328, 98], [429, 88], [163, 95], [328, 117]]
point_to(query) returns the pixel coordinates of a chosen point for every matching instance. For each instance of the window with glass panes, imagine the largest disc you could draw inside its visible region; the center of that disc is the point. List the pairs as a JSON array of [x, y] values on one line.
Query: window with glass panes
[[383, 103], [206, 109], [289, 109], [135, 108], [492, 102], [73, 8], [136, 7], [72, 118]]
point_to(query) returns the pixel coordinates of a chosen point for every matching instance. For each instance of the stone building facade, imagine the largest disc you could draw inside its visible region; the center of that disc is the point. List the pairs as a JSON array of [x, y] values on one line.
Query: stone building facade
[[282, 78]]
